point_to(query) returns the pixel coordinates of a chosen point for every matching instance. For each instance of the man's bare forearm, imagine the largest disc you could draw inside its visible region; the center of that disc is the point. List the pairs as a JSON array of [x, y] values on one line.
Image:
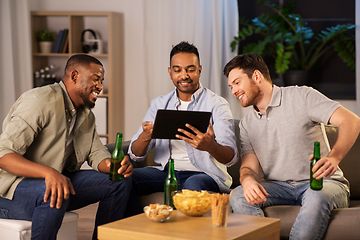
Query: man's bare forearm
[[20, 166], [140, 146], [223, 154], [246, 172]]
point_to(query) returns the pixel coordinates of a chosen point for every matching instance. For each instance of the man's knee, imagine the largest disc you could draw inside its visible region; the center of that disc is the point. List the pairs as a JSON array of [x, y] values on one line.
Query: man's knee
[[201, 182], [332, 195], [31, 190], [126, 184], [237, 197]]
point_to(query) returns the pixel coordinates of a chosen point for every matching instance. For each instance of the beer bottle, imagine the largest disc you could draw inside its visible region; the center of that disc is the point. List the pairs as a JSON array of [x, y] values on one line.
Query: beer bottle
[[315, 184], [116, 157], [170, 185]]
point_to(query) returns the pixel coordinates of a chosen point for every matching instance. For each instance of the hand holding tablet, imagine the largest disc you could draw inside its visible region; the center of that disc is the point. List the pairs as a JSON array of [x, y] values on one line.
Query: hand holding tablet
[[167, 123]]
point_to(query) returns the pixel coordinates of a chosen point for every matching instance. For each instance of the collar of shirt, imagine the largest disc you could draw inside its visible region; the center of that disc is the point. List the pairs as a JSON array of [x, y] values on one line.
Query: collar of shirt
[[276, 97], [70, 109], [274, 102], [194, 98], [69, 106]]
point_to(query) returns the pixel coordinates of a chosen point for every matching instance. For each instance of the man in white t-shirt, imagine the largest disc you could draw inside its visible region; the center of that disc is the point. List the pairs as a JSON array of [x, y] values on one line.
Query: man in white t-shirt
[[278, 137], [201, 159]]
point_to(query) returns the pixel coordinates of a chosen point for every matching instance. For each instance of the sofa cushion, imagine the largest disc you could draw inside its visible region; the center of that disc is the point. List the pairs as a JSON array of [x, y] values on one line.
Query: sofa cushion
[[152, 198], [343, 221], [350, 165], [234, 170]]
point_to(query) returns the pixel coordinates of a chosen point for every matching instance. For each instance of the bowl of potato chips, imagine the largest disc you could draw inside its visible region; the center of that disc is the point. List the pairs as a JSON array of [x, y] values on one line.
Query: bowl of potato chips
[[158, 212], [192, 203]]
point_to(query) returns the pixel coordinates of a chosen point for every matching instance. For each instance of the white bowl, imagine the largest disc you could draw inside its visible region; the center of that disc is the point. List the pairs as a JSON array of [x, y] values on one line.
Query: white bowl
[[159, 214]]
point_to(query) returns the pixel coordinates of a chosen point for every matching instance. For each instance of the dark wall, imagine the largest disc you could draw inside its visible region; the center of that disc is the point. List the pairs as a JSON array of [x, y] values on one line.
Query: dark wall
[[330, 75]]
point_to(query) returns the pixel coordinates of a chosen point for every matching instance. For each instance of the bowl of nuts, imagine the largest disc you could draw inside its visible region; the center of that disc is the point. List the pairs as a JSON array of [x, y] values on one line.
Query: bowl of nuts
[[192, 203], [158, 212]]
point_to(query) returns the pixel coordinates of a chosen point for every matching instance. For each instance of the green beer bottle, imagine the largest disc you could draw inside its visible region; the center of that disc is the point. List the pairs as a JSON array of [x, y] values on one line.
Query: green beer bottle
[[315, 184], [116, 157], [170, 185]]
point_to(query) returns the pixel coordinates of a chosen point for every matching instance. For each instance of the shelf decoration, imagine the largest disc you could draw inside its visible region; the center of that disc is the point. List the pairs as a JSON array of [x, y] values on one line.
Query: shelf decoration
[[45, 76]]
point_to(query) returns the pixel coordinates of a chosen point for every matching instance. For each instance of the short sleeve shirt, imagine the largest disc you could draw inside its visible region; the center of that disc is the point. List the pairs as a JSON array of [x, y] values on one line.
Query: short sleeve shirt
[[283, 137]]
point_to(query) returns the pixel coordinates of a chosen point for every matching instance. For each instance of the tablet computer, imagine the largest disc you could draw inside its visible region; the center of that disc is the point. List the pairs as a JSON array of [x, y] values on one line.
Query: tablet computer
[[167, 122]]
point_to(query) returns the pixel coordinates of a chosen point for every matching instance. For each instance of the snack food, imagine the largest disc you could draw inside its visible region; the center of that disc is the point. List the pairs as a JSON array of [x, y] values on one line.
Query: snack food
[[219, 208], [158, 212], [192, 203]]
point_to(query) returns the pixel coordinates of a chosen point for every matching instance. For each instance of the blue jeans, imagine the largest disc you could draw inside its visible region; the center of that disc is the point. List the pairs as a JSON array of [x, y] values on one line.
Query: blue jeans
[[90, 187], [149, 180], [316, 206]]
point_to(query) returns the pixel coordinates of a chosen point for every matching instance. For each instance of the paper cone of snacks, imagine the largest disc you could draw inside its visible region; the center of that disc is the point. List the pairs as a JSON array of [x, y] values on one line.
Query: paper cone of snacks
[[219, 209]]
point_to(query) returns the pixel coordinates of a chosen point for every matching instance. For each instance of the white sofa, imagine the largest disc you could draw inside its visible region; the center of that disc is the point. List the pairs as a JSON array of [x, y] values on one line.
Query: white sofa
[[11, 229]]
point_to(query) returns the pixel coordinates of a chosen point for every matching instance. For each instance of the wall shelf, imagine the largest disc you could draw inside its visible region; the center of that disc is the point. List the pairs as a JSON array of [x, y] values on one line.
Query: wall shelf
[[108, 27]]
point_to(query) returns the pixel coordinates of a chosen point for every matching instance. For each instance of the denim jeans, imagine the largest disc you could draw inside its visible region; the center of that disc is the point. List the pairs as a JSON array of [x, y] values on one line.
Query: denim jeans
[[149, 180], [90, 187], [316, 206]]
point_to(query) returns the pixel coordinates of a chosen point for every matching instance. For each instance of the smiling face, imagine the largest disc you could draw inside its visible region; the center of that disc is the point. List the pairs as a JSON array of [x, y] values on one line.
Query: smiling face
[[185, 72], [89, 84], [244, 88]]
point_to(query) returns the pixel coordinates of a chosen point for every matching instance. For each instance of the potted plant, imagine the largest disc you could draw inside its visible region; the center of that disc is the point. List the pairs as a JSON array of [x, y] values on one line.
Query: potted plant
[[289, 40], [45, 38]]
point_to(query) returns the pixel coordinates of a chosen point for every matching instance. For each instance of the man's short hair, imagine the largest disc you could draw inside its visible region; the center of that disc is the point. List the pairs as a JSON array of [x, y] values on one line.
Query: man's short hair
[[184, 47], [248, 62], [81, 59]]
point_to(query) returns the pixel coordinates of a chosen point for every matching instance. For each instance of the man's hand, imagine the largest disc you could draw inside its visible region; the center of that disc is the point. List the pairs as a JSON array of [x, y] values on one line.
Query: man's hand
[[206, 142], [253, 191], [140, 145], [324, 167], [200, 141], [126, 168], [59, 187], [147, 130]]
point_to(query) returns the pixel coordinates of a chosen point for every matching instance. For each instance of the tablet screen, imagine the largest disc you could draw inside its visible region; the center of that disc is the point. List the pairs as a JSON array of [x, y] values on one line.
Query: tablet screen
[[168, 121]]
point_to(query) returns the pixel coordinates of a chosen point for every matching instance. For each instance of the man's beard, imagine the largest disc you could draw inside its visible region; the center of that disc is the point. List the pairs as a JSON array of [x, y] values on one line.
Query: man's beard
[[192, 88], [89, 104], [86, 99], [255, 96]]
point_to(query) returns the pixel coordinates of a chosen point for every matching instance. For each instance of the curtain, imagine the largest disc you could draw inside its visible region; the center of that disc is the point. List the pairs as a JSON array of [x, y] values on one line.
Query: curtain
[[357, 32], [209, 25], [15, 52]]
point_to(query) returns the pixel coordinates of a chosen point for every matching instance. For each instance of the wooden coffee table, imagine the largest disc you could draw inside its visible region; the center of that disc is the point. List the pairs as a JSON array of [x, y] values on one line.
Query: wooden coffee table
[[180, 226]]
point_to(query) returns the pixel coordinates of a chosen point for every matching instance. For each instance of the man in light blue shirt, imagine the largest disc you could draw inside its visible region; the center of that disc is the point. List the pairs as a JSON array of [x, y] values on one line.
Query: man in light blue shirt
[[201, 159]]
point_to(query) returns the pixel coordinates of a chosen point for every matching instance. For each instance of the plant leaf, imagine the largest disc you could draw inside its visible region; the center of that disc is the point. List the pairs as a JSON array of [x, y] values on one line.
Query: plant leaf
[[282, 60]]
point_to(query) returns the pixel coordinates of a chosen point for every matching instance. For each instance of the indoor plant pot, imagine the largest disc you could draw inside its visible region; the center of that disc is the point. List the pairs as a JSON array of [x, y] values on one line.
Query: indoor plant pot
[[45, 38], [45, 46], [295, 77]]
